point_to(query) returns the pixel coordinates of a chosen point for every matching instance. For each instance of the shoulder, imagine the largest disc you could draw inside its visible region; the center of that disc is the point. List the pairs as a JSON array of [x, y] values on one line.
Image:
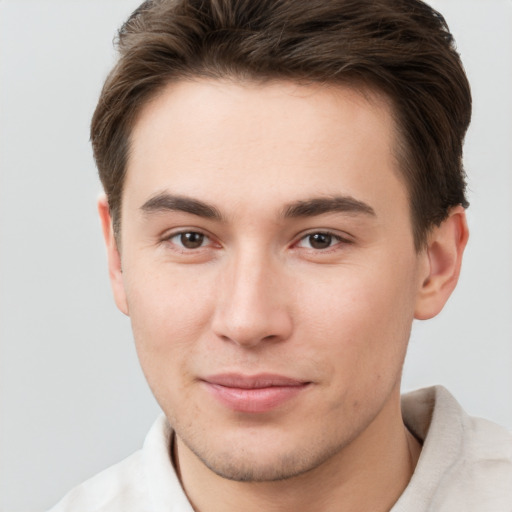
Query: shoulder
[[486, 462], [466, 462], [481, 476], [120, 488], [145, 481], [489, 441]]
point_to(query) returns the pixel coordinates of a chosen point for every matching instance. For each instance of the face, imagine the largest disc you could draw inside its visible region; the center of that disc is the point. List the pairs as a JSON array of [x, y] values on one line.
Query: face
[[269, 270]]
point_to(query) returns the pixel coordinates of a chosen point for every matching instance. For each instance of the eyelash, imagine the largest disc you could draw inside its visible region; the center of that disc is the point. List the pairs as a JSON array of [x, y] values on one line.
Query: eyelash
[[333, 237], [204, 237]]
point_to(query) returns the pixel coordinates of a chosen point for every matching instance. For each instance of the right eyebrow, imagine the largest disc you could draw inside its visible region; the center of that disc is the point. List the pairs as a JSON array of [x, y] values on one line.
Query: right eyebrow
[[168, 202]]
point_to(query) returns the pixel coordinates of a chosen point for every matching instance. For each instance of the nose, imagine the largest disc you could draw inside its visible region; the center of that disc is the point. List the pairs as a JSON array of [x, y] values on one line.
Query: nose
[[252, 302]]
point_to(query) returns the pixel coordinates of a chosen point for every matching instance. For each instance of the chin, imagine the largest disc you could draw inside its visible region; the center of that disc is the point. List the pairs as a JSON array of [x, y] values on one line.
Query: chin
[[256, 471], [265, 464]]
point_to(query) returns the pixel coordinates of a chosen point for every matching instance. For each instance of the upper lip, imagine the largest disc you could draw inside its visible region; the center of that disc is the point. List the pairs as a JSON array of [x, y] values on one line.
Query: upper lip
[[262, 380]]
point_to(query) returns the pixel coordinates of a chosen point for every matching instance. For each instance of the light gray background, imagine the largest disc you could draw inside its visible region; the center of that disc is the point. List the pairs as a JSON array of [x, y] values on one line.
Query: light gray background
[[72, 397]]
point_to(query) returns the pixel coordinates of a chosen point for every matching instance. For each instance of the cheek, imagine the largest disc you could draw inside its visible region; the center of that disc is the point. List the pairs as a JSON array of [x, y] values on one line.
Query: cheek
[[168, 302], [360, 319], [169, 314]]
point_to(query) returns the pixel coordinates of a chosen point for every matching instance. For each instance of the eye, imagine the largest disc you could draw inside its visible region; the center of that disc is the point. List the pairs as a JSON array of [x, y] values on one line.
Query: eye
[[319, 241], [189, 240]]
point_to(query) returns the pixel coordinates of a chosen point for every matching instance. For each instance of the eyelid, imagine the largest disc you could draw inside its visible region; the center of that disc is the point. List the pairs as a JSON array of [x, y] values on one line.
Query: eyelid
[[169, 235], [211, 241], [342, 239]]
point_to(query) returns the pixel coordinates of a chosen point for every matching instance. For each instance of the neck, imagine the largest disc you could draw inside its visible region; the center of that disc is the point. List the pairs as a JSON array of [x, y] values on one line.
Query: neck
[[370, 473]]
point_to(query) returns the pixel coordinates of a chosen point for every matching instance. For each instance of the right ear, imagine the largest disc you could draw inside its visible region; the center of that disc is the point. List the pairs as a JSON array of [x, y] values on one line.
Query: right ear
[[115, 270]]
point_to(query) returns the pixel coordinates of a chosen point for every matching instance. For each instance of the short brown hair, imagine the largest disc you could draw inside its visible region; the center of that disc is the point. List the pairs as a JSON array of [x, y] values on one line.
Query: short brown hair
[[400, 47]]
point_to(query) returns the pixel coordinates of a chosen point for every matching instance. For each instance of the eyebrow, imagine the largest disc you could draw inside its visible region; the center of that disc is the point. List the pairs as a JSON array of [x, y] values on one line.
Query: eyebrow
[[306, 208], [321, 205], [167, 202]]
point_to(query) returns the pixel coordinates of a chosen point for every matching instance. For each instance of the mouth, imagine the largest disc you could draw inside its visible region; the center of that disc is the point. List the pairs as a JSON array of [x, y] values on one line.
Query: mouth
[[253, 393]]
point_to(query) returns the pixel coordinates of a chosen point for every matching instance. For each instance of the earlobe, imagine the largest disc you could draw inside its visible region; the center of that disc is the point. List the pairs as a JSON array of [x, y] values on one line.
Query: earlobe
[[113, 255], [444, 251]]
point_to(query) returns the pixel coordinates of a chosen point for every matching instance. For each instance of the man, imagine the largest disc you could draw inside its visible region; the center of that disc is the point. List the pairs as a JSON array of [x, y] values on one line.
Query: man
[[284, 195]]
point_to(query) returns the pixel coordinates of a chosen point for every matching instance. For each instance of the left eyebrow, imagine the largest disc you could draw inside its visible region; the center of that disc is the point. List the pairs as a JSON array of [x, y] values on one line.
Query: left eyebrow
[[321, 205]]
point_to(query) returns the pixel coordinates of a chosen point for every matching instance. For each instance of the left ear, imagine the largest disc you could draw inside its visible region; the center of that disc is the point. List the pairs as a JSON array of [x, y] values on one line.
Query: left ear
[[443, 254]]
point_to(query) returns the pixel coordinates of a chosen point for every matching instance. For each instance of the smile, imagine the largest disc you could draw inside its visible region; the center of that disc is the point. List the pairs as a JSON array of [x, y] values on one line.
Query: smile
[[253, 394]]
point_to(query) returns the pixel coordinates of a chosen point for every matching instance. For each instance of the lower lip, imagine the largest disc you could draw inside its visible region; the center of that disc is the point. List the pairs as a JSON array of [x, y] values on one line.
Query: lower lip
[[255, 400]]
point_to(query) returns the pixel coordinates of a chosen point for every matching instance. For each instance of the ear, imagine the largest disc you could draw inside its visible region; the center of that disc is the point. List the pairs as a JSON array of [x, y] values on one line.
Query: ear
[[443, 257], [114, 257]]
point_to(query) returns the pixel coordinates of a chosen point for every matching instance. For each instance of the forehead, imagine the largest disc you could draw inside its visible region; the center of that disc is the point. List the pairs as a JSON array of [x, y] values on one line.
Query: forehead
[[233, 142]]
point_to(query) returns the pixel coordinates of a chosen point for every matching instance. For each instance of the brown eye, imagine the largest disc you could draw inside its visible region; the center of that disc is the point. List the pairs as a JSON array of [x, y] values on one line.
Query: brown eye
[[320, 240], [190, 240]]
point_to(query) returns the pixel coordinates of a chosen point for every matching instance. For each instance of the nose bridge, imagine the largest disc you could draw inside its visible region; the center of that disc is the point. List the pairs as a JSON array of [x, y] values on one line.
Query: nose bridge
[[251, 302]]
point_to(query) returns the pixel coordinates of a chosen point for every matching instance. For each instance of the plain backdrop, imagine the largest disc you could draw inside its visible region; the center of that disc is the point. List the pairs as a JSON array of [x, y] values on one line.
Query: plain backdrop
[[72, 397]]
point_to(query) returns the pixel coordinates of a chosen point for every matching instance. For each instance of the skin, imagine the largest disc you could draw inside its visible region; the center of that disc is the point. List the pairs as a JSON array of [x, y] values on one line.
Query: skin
[[259, 294]]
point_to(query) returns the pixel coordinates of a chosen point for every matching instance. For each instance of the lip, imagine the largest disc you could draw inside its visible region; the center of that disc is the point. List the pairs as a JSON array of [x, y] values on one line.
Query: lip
[[253, 393]]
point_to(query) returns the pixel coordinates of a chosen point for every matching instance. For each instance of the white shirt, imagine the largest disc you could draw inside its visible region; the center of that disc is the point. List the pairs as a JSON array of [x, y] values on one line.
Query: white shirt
[[465, 466]]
